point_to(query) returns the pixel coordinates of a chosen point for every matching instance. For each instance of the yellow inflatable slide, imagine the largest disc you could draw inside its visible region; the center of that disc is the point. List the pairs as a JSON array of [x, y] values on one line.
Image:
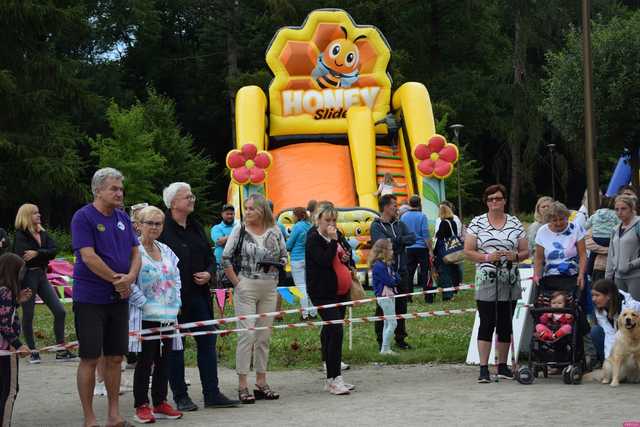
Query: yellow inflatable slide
[[330, 127]]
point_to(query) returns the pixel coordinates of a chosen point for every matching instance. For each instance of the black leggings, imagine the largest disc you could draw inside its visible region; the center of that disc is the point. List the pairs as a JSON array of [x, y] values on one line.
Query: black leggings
[[156, 356], [504, 326], [331, 339], [36, 280]]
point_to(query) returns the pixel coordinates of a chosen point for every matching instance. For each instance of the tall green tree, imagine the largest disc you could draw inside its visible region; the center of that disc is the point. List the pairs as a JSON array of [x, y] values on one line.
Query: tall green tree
[[148, 146], [616, 89], [43, 102]]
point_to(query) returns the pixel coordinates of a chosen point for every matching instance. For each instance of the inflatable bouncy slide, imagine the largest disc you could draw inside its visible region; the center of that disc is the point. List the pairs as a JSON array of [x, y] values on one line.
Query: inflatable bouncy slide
[[330, 128]]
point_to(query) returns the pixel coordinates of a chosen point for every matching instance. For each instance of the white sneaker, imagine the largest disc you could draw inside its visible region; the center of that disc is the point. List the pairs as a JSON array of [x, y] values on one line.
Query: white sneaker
[[388, 352], [343, 366], [346, 385], [335, 387], [99, 389]]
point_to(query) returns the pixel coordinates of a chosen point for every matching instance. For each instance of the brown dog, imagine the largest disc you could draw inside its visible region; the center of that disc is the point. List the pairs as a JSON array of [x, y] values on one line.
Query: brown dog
[[623, 363]]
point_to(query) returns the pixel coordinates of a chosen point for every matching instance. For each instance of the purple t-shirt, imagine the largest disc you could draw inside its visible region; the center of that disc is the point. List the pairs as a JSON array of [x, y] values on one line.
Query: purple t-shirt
[[112, 238]]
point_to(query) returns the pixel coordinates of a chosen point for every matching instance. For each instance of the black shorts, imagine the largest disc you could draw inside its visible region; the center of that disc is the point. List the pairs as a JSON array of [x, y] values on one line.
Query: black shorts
[[102, 329]]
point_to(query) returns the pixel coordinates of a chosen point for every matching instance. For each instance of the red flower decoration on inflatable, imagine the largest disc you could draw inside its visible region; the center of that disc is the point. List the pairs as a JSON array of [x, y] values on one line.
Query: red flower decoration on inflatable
[[248, 165], [436, 157]]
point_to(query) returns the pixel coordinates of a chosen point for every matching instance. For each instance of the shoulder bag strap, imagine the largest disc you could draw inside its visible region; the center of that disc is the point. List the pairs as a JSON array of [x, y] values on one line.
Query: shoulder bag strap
[[238, 249]]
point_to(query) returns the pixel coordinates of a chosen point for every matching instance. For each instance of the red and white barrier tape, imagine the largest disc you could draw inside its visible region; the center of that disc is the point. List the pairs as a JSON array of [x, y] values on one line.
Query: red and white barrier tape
[[51, 348], [369, 319], [290, 311]]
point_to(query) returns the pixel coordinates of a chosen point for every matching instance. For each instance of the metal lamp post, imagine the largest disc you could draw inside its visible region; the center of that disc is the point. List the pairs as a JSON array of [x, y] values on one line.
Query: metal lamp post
[[553, 170], [456, 128]]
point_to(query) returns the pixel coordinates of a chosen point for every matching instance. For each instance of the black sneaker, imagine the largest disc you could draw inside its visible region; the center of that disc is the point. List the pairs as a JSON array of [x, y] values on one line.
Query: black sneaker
[[220, 401], [403, 345], [35, 358], [484, 377], [504, 372], [185, 404], [65, 356]]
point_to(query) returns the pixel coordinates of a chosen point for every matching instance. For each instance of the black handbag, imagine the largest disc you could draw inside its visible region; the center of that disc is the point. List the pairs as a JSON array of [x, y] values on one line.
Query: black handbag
[[222, 281]]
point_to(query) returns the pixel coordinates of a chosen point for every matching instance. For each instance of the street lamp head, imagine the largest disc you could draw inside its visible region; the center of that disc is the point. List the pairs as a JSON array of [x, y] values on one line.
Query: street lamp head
[[551, 146], [456, 129]]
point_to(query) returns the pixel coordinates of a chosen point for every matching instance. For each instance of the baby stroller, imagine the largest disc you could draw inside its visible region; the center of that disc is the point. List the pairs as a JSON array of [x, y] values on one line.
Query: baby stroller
[[565, 352]]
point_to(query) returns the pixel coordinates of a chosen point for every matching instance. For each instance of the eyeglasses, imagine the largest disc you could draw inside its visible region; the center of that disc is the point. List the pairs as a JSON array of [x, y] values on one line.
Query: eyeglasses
[[494, 199], [153, 224], [190, 197]]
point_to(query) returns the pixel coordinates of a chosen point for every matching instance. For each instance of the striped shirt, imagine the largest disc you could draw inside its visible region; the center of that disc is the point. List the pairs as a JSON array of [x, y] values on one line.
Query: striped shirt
[[490, 240]]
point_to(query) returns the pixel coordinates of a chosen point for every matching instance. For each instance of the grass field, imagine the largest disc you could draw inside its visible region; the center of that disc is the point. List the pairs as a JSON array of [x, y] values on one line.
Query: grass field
[[435, 339]]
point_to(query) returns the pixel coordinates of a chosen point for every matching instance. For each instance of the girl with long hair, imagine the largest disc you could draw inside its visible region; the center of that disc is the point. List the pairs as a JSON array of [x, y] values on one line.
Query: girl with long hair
[[11, 272]]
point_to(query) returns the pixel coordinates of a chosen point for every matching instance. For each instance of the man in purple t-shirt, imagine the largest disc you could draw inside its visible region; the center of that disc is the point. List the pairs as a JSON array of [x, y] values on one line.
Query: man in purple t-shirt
[[107, 263]]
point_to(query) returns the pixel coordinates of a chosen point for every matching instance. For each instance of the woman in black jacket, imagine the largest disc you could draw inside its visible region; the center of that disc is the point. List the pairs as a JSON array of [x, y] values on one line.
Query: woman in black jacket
[[448, 274], [327, 262], [36, 248]]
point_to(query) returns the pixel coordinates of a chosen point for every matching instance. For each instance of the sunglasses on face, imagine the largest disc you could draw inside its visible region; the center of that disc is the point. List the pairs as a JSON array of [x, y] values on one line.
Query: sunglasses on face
[[494, 199], [152, 223]]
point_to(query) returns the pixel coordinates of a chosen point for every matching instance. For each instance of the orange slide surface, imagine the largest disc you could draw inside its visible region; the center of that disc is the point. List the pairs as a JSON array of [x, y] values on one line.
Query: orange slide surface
[[311, 170]]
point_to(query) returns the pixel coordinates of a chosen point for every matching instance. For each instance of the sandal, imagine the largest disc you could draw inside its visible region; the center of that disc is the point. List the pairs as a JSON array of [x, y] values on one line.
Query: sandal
[[265, 393], [245, 397]]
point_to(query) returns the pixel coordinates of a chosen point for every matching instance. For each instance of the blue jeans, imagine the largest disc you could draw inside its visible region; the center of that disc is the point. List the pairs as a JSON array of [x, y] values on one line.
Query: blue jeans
[[388, 307], [298, 274], [197, 309], [597, 335]]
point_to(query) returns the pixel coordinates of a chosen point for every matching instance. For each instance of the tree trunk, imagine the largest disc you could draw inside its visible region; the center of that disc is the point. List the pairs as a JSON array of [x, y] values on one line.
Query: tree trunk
[[519, 120], [232, 67]]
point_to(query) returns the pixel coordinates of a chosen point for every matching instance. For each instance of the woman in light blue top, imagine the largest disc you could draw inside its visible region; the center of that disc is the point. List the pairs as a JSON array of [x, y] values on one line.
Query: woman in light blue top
[[155, 303], [296, 245]]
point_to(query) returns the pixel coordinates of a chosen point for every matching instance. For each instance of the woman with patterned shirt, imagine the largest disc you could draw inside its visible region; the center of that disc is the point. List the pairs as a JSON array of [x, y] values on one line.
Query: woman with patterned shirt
[[155, 302], [496, 241], [262, 251], [561, 255]]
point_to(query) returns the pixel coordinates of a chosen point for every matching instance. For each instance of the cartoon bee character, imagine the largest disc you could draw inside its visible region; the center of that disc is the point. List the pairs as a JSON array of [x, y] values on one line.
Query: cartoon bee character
[[338, 65]]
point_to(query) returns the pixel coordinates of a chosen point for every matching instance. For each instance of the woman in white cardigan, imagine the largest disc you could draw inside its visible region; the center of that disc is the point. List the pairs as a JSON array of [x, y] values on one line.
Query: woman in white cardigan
[[155, 302]]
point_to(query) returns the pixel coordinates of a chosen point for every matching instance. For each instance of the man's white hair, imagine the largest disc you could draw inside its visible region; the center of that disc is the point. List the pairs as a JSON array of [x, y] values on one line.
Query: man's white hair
[[101, 175], [169, 193]]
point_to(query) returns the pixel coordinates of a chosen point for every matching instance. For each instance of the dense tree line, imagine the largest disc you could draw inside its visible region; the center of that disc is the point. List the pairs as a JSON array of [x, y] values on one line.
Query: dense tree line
[[85, 83]]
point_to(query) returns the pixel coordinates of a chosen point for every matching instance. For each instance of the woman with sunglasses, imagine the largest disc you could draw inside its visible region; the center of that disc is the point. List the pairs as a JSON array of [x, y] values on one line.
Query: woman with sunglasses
[[154, 302], [496, 241]]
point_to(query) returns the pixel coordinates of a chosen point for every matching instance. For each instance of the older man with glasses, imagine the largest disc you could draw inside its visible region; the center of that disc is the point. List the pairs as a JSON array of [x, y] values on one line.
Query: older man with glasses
[[187, 239]]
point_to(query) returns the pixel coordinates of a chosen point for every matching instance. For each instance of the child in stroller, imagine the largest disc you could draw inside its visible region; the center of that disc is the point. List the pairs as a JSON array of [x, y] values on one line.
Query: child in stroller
[[557, 341], [554, 326]]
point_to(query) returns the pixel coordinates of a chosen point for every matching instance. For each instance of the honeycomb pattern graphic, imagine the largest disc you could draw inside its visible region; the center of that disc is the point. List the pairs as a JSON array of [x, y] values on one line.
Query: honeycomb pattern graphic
[[299, 54]]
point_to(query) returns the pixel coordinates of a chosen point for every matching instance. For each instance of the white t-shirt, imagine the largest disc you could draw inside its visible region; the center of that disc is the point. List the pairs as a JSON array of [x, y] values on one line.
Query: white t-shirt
[[560, 249], [385, 189]]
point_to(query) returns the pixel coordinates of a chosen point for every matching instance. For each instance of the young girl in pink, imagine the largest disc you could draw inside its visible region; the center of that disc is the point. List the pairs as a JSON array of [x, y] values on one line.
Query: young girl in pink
[[554, 326], [11, 274]]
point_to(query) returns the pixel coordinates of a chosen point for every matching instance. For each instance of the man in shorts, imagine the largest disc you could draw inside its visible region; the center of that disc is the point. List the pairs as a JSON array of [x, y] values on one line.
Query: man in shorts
[[107, 263]]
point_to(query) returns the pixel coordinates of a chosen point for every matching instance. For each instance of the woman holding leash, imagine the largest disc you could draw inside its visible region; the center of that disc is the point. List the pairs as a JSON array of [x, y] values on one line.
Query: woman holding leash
[[496, 242], [609, 302]]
